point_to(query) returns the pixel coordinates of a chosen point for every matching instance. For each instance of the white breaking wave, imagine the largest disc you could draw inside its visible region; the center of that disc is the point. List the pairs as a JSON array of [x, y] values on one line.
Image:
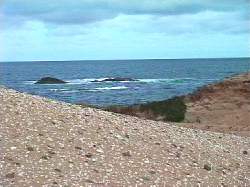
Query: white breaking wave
[[85, 81], [112, 88], [107, 88], [99, 80], [55, 90], [29, 82], [64, 90], [70, 91], [155, 80]]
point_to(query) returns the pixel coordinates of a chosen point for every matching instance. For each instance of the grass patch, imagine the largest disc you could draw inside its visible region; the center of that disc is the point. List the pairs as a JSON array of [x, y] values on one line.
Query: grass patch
[[173, 110]]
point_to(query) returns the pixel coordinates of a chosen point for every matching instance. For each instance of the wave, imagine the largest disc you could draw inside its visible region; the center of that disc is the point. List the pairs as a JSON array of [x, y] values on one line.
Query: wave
[[90, 90], [100, 80], [70, 91], [177, 80], [55, 90], [29, 82], [154, 80], [101, 89], [112, 88], [84, 81]]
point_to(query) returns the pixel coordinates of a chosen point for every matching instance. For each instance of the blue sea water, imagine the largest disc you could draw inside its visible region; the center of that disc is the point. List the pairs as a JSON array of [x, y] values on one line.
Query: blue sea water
[[155, 79]]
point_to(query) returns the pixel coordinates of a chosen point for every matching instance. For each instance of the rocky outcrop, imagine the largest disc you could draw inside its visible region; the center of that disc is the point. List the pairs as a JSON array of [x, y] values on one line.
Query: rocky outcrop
[[50, 80], [116, 79]]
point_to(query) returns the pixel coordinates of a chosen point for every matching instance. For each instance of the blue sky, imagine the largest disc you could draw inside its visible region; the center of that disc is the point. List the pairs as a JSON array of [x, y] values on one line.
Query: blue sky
[[123, 29]]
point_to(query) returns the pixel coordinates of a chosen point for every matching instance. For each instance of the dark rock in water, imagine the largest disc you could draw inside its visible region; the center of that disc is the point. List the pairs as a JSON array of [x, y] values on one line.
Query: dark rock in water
[[116, 79], [50, 80]]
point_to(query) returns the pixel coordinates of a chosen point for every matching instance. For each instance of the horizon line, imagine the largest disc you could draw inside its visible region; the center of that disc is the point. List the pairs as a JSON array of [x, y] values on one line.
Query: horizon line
[[141, 59]]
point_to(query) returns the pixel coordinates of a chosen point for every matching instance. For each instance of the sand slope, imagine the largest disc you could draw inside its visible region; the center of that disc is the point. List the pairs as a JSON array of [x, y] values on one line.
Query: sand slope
[[222, 107], [43, 142]]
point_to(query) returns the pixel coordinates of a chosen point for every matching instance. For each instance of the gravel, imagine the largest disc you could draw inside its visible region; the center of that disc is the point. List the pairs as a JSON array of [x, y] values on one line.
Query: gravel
[[50, 143]]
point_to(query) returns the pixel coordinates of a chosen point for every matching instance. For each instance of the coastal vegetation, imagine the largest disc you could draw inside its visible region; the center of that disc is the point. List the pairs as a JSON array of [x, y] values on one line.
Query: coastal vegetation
[[173, 110]]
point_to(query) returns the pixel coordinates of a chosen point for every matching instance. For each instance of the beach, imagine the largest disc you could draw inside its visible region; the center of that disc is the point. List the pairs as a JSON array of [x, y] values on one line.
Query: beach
[[124, 93], [51, 143]]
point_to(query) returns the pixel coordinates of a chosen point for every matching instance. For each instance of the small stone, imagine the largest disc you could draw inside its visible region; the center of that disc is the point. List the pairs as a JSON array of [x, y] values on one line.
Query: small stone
[[51, 152], [10, 175], [152, 172], [127, 136], [128, 154], [9, 159], [88, 155], [145, 178], [207, 167], [17, 164], [89, 181], [109, 170], [77, 147], [146, 161], [119, 137], [58, 170], [29, 148], [44, 157], [245, 152], [99, 151], [157, 143], [178, 155], [50, 139], [13, 148]]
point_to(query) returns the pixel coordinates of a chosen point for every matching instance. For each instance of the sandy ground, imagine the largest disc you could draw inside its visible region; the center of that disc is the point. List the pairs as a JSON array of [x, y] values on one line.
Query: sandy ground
[[49, 143], [222, 107]]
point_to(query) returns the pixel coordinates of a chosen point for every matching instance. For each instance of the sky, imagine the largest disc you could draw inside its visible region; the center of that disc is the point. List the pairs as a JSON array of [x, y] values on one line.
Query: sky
[[123, 29]]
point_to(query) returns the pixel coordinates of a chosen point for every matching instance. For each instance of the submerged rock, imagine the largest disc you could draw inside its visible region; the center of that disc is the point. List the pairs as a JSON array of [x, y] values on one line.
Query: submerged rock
[[116, 79], [50, 80]]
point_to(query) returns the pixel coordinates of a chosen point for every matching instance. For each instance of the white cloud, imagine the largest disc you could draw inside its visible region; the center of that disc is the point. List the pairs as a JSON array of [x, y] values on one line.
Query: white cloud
[[85, 11], [112, 29]]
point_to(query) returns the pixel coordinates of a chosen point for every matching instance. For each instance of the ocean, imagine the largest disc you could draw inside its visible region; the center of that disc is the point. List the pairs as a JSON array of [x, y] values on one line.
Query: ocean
[[155, 80]]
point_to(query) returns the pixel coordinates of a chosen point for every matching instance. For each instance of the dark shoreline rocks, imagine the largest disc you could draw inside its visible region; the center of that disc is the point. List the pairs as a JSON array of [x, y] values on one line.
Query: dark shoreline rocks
[[50, 80], [116, 79]]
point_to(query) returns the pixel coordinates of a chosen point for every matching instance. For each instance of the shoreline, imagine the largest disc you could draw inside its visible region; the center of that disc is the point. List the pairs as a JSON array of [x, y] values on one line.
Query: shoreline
[[232, 93]]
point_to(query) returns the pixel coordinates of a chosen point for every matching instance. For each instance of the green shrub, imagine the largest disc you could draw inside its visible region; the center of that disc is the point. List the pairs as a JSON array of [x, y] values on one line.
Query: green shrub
[[168, 110], [171, 110]]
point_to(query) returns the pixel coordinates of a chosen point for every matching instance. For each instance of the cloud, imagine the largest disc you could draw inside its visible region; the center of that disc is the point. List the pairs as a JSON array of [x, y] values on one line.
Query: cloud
[[206, 22], [112, 29], [86, 11]]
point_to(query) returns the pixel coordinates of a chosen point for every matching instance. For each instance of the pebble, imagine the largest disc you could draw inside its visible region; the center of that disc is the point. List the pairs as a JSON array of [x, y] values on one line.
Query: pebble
[[138, 152]]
